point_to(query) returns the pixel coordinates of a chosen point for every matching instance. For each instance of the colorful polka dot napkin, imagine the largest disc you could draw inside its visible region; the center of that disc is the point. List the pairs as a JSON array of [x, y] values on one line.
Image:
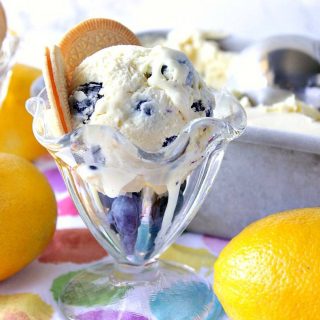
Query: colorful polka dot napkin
[[32, 293]]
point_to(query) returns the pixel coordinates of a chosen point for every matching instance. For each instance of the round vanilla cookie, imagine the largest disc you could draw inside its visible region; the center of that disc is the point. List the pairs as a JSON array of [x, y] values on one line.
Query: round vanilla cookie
[[148, 94], [90, 36]]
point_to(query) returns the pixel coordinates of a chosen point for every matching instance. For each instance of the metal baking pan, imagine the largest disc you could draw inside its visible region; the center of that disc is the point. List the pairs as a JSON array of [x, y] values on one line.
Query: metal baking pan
[[264, 171]]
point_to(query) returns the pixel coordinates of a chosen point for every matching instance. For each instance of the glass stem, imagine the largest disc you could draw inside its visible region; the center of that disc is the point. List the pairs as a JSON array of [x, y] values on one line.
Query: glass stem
[[147, 272]]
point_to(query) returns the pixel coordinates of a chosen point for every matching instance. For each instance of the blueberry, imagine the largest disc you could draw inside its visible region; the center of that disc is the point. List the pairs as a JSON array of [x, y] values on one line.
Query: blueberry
[[189, 80], [146, 106], [85, 107], [125, 213], [166, 72], [138, 105], [168, 140], [93, 167], [208, 112], [124, 219], [128, 242], [91, 87], [106, 201], [198, 106], [164, 69]]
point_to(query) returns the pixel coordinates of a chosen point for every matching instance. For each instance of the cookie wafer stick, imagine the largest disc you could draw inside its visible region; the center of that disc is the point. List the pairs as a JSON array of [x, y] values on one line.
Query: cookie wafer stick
[[91, 36], [55, 80]]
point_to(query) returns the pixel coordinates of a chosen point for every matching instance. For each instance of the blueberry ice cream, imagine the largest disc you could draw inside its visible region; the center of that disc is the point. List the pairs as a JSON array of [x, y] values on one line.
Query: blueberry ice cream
[[148, 94]]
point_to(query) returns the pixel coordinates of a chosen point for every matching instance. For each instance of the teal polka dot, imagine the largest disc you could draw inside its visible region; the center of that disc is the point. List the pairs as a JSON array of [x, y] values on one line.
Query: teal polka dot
[[182, 301]]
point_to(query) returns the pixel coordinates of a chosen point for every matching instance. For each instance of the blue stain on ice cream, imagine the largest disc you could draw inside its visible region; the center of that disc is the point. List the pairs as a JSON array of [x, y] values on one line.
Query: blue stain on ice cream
[[182, 300]]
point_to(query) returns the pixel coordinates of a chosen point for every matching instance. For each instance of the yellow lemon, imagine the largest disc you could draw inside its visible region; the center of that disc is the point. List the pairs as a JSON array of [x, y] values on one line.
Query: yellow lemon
[[271, 270], [27, 213], [15, 122]]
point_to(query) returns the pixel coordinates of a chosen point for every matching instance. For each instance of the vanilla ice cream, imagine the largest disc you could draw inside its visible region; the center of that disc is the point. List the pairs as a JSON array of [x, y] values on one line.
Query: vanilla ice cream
[[211, 62], [148, 94], [215, 66]]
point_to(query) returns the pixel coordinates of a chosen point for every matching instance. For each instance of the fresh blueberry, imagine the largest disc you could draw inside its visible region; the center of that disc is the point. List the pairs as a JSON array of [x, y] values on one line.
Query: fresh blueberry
[[138, 105], [124, 219], [168, 140], [146, 106], [90, 88], [166, 72], [84, 99], [128, 242], [164, 69], [125, 212], [92, 167], [106, 201], [198, 106]]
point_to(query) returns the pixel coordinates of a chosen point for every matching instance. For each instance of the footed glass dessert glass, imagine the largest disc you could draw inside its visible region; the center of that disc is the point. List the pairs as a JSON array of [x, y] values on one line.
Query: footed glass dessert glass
[[7, 53], [137, 203]]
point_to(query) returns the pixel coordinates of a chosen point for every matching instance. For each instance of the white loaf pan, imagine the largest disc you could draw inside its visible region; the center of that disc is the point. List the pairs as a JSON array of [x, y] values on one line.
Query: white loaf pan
[[263, 172]]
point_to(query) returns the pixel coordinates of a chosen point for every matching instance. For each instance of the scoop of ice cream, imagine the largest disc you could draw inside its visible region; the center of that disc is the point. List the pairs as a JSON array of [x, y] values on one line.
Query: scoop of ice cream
[[203, 51], [148, 94]]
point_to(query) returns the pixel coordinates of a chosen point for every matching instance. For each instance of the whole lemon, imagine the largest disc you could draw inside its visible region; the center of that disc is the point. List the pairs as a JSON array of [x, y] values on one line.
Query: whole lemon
[[27, 213], [16, 134], [271, 270]]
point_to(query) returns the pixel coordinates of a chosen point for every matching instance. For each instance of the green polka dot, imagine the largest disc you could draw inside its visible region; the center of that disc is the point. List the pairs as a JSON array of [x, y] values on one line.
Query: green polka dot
[[85, 293]]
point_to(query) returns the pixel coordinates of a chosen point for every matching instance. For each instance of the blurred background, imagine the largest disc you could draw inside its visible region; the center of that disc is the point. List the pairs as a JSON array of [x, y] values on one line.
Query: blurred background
[[40, 22]]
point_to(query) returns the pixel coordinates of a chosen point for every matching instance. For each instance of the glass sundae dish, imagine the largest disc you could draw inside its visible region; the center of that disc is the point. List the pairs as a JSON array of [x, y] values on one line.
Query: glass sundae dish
[[136, 201], [8, 46]]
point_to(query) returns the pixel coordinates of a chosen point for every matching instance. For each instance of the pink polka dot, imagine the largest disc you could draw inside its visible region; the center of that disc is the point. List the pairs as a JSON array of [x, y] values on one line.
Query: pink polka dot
[[66, 207], [55, 179]]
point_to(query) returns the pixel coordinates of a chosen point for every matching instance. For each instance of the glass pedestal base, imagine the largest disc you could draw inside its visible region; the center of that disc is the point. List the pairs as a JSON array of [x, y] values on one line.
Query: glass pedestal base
[[158, 291]]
